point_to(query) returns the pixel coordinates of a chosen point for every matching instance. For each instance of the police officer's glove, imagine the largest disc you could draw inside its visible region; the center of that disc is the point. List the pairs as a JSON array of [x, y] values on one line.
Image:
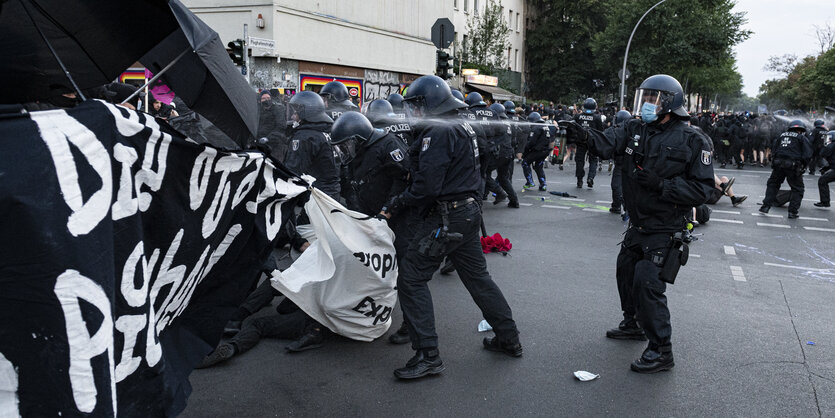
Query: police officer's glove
[[575, 131], [649, 180]]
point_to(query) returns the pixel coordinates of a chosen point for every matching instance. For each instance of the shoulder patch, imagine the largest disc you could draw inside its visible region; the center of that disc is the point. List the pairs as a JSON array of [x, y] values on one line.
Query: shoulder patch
[[295, 145], [425, 145], [706, 157], [396, 155]]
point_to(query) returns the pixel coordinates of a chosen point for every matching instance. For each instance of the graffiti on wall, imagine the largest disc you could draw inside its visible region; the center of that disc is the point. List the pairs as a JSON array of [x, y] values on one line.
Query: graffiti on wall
[[315, 83], [379, 84]]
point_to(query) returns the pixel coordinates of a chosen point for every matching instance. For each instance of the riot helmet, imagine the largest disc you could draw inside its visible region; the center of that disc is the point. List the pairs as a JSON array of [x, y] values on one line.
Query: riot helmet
[[819, 123], [350, 134], [430, 95], [589, 105], [307, 106], [622, 116], [798, 125], [396, 101], [535, 117], [458, 95], [659, 95], [336, 93], [499, 110], [509, 107], [474, 99], [379, 110]]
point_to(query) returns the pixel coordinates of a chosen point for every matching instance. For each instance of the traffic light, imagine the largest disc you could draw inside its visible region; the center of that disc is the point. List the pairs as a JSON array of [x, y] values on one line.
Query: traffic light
[[442, 64], [236, 51]]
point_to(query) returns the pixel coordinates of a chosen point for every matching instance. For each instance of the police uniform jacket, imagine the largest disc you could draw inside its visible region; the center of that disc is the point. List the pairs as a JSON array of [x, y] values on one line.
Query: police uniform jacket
[[309, 152], [539, 139], [506, 142], [378, 173], [588, 121], [676, 153], [396, 126], [337, 110], [447, 166], [492, 128], [828, 153], [521, 132], [791, 146], [818, 136]]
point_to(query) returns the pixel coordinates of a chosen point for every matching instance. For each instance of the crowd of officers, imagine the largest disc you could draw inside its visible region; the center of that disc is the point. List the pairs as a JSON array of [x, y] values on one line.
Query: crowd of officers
[[426, 162]]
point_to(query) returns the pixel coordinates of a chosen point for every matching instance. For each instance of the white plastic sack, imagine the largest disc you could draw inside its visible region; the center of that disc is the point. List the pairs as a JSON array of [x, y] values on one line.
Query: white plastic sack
[[346, 279]]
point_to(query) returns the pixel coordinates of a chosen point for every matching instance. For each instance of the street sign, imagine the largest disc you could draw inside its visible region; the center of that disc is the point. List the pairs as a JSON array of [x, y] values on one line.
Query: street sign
[[620, 74], [443, 32], [261, 43]]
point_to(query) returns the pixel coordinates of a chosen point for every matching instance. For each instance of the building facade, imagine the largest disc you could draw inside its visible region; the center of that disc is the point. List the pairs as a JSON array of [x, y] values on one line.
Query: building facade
[[375, 47]]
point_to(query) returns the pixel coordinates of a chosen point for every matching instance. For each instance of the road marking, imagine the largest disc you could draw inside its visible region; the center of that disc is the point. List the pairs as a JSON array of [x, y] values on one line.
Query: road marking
[[804, 218], [525, 204], [573, 199], [730, 250], [798, 267], [556, 207], [593, 210], [729, 212], [749, 175], [730, 221], [773, 225], [695, 255], [812, 228], [603, 201], [767, 215], [739, 276]]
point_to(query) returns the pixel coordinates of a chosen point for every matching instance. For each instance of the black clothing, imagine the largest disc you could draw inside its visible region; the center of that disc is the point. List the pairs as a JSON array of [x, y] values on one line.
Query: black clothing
[[309, 152], [667, 170], [791, 152], [378, 173], [537, 149], [337, 110], [818, 140], [795, 180], [399, 127], [272, 124], [587, 121]]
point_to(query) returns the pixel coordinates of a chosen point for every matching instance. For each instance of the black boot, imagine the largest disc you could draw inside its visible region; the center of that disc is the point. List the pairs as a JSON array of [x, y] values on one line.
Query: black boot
[[590, 183], [765, 208], [500, 198], [401, 336], [223, 352], [628, 329], [579, 183], [511, 348], [424, 363], [653, 361], [310, 340]]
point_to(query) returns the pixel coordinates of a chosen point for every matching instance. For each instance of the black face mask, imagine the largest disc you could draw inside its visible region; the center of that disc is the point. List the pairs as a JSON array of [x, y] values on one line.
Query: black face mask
[[63, 101], [267, 105]]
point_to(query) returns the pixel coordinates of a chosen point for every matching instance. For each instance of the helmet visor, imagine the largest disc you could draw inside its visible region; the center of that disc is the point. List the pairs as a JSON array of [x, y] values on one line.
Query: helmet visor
[[346, 150], [413, 106], [654, 99]]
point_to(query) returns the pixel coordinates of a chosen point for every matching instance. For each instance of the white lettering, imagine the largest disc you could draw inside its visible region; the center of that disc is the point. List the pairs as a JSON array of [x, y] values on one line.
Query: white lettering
[[8, 389], [199, 184], [225, 166], [125, 204]]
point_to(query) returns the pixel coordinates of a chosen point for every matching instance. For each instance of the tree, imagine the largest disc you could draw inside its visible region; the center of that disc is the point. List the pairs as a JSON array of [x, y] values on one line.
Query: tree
[[825, 35], [781, 64], [488, 37]]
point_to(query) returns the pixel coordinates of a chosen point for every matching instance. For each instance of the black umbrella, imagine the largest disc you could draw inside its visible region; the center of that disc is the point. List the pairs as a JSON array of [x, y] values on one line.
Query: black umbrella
[[204, 77], [95, 39]]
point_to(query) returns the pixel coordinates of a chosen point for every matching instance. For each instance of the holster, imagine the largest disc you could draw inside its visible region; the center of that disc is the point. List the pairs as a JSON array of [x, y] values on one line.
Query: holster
[[676, 257], [435, 244]]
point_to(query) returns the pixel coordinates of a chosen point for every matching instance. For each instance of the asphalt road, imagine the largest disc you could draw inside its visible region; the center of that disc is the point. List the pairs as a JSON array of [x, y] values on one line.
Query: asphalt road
[[753, 326]]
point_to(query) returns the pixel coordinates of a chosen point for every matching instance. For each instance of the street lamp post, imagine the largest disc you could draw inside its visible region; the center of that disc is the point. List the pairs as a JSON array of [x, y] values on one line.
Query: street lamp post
[[626, 55]]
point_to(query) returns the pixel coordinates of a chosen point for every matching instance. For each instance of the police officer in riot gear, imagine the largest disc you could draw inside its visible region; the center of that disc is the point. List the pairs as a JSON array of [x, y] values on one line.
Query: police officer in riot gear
[[827, 171], [493, 131], [539, 145], [792, 152], [445, 188], [520, 130], [503, 163], [818, 137], [621, 118], [309, 151], [337, 100], [667, 170], [382, 116], [587, 119]]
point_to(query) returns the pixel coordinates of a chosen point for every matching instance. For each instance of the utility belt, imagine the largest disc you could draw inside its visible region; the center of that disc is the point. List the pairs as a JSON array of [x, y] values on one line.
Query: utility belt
[[436, 243], [785, 163]]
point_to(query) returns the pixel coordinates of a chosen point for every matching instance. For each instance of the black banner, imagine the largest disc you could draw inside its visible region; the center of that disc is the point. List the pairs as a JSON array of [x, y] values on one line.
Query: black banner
[[125, 248]]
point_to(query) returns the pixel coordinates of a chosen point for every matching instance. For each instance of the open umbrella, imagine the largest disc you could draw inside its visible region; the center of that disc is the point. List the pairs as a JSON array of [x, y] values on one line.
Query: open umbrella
[[95, 39], [194, 63]]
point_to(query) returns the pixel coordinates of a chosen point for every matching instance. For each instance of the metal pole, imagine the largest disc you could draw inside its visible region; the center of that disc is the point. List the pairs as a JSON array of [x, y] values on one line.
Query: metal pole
[[626, 55], [246, 53]]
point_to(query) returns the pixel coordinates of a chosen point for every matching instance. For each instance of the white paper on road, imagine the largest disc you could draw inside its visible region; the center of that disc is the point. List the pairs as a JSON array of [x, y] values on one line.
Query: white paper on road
[[585, 376], [346, 279], [484, 326]]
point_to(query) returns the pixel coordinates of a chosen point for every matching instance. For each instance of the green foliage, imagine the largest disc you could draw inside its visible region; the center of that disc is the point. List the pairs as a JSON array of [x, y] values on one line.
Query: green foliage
[[574, 43], [808, 84], [488, 37]]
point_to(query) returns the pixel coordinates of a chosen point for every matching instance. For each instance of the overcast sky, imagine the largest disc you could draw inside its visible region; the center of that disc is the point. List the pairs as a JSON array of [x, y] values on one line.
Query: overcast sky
[[780, 27]]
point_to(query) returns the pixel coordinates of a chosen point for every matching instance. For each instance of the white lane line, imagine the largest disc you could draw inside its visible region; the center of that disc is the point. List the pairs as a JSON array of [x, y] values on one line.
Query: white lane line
[[798, 267], [730, 250], [593, 210], [730, 221], [556, 207], [729, 212], [695, 255], [525, 204], [573, 199], [812, 228], [766, 215], [738, 274], [607, 202], [749, 175], [771, 225], [805, 218]]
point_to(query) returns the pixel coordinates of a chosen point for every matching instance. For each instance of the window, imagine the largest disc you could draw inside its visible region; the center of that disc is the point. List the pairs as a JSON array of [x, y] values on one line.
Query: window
[[464, 46], [517, 22], [509, 17], [508, 59], [455, 45], [475, 6], [455, 4], [516, 60], [466, 4]]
